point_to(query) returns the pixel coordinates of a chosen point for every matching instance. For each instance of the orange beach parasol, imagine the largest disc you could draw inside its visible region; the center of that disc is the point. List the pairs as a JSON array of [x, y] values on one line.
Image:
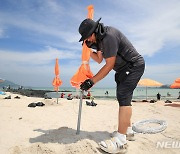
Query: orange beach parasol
[[84, 71], [176, 84], [56, 82]]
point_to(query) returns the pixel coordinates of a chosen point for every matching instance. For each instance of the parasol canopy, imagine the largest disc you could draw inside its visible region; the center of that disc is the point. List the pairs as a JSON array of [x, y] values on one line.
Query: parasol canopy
[[176, 84], [149, 83], [84, 71]]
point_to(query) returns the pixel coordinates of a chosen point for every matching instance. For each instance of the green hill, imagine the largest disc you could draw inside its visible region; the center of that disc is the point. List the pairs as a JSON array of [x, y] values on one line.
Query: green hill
[[7, 83]]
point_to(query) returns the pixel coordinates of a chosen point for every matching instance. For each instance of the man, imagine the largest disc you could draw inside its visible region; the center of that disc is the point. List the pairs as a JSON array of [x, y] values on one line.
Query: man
[[158, 96], [121, 56]]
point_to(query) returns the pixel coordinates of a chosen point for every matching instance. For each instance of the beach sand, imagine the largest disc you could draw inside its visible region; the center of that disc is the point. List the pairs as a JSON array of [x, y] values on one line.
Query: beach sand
[[51, 129]]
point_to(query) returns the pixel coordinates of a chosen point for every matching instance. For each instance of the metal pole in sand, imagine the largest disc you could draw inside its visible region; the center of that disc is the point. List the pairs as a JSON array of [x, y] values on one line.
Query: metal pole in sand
[[79, 114], [146, 92], [57, 96]]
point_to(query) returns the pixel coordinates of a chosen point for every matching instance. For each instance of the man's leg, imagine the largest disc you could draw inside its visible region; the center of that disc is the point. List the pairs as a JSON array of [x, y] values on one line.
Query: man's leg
[[125, 113], [118, 142]]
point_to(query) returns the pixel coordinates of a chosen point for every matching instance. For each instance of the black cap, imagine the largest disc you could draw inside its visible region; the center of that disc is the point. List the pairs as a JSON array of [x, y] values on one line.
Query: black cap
[[87, 27]]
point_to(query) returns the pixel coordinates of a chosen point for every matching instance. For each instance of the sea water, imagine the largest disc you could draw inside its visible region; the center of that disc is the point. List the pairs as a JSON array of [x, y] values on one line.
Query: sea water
[[140, 93]]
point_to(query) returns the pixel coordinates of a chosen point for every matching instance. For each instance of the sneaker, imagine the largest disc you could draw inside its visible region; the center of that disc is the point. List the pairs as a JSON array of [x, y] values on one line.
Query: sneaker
[[129, 137]]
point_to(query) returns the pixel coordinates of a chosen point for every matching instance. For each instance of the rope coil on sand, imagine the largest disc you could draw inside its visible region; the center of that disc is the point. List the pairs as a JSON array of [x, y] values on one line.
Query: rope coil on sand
[[137, 127]]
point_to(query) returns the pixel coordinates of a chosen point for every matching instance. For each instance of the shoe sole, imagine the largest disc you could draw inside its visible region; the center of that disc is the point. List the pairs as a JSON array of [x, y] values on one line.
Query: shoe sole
[[124, 150]]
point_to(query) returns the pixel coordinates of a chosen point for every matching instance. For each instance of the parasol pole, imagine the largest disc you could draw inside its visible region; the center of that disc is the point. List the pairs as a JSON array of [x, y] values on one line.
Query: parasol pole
[[57, 96], [79, 114], [146, 92]]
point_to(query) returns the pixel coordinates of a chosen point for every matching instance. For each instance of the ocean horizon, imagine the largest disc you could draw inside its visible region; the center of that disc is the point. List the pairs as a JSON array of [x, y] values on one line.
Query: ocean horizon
[[140, 93]]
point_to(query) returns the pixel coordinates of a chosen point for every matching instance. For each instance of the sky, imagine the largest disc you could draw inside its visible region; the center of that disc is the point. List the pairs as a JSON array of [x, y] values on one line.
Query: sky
[[33, 33]]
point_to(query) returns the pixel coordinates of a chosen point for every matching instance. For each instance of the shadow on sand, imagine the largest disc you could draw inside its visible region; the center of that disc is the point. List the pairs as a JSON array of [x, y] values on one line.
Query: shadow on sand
[[67, 135], [173, 105]]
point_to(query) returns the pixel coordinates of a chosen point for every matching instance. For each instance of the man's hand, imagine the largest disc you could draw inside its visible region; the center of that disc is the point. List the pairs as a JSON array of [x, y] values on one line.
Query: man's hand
[[86, 84]]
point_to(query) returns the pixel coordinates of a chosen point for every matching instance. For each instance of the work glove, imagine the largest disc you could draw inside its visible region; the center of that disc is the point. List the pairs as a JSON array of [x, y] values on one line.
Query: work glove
[[86, 84]]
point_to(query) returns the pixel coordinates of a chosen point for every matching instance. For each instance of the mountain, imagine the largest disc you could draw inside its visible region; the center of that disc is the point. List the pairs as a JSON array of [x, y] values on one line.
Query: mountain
[[7, 83], [165, 86]]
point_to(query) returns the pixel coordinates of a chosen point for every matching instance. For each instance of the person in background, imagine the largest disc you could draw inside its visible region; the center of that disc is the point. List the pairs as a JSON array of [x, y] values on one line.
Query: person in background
[[158, 96], [168, 94], [106, 93], [69, 97], [179, 95], [121, 56], [62, 95], [88, 95]]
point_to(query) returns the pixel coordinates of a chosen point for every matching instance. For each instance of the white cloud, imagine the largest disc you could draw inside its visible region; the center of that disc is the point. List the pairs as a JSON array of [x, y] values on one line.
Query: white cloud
[[1, 32], [156, 22], [53, 5], [42, 18], [37, 68], [159, 27], [40, 28], [36, 57], [150, 25], [165, 73]]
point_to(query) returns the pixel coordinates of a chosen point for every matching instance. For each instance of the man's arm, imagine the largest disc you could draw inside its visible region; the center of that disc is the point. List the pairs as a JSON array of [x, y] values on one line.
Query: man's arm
[[97, 56], [105, 69]]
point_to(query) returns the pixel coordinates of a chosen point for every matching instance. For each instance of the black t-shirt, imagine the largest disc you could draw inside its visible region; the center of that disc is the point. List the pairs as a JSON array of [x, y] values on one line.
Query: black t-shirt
[[116, 44]]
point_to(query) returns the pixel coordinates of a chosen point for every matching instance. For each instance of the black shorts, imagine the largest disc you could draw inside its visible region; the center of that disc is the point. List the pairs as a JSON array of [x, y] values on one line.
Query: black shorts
[[127, 80]]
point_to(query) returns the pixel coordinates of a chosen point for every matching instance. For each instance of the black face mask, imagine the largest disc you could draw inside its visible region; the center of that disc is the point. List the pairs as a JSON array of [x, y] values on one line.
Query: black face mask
[[91, 45]]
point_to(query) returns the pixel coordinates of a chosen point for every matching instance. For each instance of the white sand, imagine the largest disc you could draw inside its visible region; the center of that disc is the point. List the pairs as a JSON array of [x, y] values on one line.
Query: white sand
[[51, 129]]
